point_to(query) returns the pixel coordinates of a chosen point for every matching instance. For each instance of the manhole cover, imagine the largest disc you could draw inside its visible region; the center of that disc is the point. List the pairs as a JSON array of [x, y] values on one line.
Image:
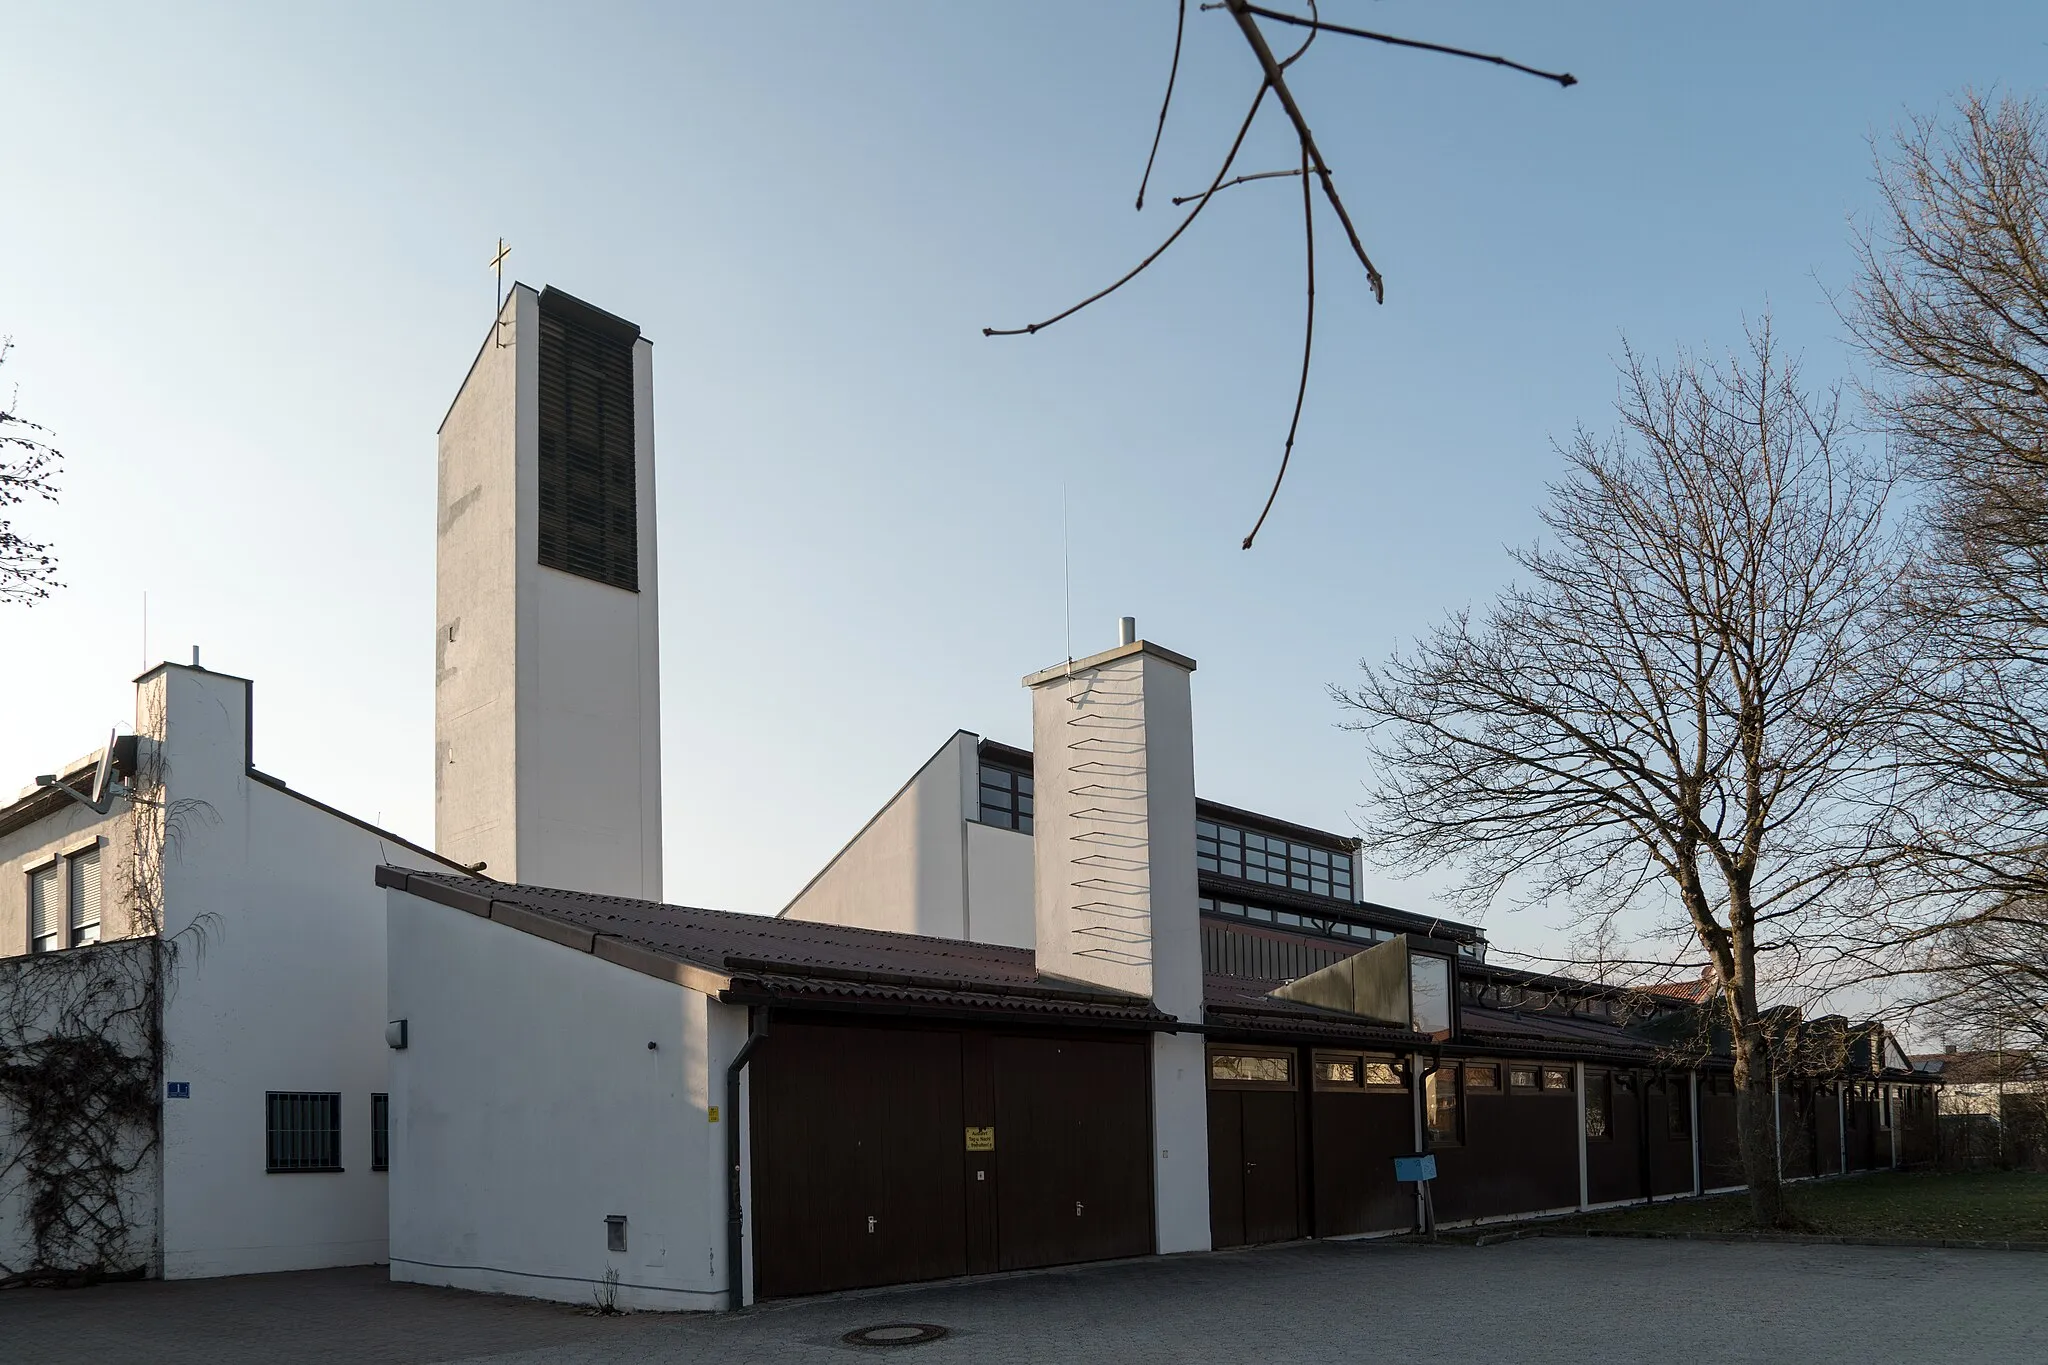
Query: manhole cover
[[894, 1334]]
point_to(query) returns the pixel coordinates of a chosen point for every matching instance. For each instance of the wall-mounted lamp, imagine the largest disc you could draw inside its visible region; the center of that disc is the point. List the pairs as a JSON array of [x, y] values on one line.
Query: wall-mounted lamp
[[395, 1035]]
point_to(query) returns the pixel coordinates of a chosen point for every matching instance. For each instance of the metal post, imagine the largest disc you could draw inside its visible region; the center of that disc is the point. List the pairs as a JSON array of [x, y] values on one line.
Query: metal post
[[1579, 1080], [1777, 1131], [1699, 1179]]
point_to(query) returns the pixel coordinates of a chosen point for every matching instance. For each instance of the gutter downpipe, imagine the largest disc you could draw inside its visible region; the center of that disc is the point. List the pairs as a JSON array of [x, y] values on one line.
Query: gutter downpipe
[[735, 1289]]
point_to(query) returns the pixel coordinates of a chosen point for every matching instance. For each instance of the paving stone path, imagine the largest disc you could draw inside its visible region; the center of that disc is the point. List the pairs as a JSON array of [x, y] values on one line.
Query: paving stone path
[[1534, 1301]]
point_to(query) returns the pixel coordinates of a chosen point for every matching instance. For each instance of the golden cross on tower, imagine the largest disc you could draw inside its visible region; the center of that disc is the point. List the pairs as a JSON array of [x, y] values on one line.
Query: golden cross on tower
[[498, 267]]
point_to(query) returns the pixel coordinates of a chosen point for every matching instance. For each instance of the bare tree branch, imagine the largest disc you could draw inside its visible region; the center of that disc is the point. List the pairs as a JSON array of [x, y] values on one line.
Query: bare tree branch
[[1687, 708], [1277, 78], [1308, 342], [29, 466], [1239, 180], [1172, 75], [1564, 79], [1159, 251]]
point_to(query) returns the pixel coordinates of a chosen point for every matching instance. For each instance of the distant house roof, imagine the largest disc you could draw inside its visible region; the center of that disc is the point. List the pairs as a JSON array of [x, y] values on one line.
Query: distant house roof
[[1980, 1068], [762, 959], [1694, 991]]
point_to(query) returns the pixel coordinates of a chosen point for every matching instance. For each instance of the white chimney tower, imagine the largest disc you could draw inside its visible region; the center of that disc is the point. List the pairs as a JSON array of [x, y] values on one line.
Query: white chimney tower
[[547, 681], [1113, 765]]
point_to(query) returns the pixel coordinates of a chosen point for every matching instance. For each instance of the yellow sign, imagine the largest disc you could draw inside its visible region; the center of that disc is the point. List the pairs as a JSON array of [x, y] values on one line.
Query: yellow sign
[[981, 1139], [714, 1113]]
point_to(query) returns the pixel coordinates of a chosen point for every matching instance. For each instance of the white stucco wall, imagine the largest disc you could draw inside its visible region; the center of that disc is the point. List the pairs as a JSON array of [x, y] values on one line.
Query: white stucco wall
[[1114, 856], [548, 691], [999, 886], [69, 828], [906, 870], [528, 1107], [476, 558], [278, 926], [1116, 886]]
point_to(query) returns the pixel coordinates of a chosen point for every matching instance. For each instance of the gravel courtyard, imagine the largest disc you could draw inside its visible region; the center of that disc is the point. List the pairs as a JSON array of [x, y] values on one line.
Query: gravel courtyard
[[1529, 1301]]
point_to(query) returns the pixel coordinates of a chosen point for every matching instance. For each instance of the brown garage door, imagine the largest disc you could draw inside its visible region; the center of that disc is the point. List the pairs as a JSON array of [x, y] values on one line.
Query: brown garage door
[[857, 1159], [1073, 1145]]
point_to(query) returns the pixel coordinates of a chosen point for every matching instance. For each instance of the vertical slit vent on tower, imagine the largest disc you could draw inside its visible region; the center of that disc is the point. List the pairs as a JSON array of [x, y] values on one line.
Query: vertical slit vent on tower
[[588, 518]]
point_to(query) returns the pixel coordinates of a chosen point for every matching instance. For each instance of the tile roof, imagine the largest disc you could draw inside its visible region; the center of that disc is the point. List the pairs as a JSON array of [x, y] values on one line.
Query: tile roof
[[761, 959], [1550, 1032]]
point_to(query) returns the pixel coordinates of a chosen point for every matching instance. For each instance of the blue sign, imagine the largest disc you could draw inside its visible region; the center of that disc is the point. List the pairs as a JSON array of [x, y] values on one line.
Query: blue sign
[[1415, 1168], [177, 1090]]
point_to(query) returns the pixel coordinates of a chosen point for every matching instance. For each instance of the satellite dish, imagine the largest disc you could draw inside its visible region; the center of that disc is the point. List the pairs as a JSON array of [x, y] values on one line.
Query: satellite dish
[[103, 776]]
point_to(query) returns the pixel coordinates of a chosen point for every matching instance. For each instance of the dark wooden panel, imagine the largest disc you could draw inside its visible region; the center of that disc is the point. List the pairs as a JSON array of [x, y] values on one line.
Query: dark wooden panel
[[1272, 1167], [857, 1135], [1231, 951], [1827, 1123], [1226, 1168], [1614, 1164], [1868, 1147], [979, 1176], [1721, 1149], [1073, 1148], [1354, 1138], [1521, 1154], [1670, 1149]]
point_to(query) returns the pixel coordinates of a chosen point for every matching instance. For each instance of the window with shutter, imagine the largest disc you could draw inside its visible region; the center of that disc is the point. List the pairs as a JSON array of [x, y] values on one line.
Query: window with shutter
[[588, 509], [85, 897], [45, 907]]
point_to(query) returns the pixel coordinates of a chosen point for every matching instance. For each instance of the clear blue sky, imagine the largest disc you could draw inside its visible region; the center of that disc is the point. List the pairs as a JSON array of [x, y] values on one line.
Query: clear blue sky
[[242, 256]]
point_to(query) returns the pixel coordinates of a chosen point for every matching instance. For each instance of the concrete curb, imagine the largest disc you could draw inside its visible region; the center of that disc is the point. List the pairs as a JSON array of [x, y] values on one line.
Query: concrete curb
[[1790, 1238]]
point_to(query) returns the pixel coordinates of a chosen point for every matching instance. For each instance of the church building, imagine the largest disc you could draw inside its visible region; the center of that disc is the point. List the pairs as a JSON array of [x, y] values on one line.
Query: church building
[[1049, 1005]]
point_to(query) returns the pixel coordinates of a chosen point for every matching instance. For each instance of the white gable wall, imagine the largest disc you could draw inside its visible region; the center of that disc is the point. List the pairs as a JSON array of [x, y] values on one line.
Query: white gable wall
[[906, 870], [528, 1106], [278, 985]]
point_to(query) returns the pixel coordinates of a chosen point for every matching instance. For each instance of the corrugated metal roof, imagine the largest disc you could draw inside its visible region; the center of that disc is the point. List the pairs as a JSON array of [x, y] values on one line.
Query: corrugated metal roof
[[761, 958]]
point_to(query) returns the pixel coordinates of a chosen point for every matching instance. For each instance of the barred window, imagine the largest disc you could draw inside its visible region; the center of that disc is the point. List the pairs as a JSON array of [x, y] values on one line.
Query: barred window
[[45, 908], [1268, 858], [380, 1132], [302, 1131], [1006, 798]]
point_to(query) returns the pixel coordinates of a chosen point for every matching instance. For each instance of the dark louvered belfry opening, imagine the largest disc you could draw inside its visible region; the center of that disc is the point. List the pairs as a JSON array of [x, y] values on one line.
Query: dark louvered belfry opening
[[588, 517]]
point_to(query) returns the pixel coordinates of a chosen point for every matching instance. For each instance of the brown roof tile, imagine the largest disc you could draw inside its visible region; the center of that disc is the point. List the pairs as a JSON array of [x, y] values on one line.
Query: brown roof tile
[[757, 958]]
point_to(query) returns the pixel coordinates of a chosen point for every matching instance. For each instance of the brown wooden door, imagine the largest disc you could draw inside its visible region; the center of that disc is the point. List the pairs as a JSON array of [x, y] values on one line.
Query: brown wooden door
[[857, 1140], [1254, 1167], [1073, 1150], [1356, 1137]]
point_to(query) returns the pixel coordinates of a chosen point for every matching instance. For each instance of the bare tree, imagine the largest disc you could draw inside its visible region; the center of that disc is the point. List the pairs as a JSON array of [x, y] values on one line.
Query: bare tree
[[1273, 80], [28, 470], [1952, 309], [1988, 981], [1676, 709]]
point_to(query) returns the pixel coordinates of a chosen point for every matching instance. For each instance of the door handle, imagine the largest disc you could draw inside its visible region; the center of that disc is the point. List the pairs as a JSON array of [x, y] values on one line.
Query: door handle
[[871, 1222]]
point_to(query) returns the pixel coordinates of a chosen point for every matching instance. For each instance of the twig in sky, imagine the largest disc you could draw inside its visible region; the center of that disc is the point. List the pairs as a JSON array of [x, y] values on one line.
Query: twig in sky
[[1308, 341], [1172, 74], [1193, 213], [1564, 79]]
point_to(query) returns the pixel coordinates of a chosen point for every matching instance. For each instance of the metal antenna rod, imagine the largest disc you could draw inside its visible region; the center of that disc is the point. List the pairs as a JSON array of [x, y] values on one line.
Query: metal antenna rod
[[1067, 566]]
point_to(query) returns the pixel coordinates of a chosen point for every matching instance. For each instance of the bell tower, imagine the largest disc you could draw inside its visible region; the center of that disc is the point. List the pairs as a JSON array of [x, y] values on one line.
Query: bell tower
[[547, 680]]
